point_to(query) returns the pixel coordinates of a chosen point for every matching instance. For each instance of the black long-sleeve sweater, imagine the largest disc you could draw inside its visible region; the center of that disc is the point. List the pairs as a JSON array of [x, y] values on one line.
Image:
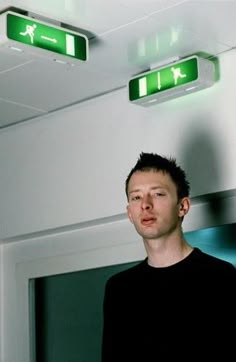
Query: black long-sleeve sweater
[[185, 311]]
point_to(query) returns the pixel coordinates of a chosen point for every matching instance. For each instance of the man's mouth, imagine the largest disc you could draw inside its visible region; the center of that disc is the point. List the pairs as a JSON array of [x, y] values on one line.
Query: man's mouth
[[148, 220]]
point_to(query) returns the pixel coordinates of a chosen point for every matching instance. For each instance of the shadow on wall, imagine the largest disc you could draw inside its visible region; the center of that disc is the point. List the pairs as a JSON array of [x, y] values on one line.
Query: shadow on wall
[[201, 158]]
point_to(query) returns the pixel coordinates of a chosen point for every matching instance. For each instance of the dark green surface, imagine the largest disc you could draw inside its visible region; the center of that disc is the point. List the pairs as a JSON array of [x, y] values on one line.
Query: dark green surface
[[69, 315], [69, 306]]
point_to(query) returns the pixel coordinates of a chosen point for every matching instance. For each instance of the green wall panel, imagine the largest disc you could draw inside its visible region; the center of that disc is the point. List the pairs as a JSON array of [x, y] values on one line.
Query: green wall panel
[[69, 315]]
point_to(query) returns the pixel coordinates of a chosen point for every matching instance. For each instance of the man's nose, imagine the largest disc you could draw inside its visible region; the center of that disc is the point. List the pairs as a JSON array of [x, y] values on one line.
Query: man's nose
[[147, 202]]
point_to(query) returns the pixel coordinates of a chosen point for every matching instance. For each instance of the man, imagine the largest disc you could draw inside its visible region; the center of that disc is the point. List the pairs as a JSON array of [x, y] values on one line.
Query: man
[[178, 303]]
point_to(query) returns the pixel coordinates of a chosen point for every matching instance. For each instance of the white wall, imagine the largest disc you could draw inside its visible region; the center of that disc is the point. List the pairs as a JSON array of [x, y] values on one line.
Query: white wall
[[62, 179], [70, 167]]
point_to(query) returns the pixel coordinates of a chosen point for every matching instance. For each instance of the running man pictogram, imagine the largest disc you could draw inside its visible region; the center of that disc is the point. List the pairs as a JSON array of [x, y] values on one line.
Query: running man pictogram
[[29, 31], [177, 74]]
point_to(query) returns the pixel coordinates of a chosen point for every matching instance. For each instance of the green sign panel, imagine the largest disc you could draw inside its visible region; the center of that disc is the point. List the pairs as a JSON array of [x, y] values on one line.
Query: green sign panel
[[41, 35], [164, 78]]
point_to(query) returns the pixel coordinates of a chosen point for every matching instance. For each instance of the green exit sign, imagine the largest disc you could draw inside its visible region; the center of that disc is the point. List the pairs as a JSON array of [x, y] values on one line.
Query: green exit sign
[[38, 34], [188, 75]]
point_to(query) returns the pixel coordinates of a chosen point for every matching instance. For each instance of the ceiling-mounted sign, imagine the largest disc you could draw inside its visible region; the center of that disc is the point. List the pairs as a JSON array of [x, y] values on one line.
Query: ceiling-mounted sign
[[39, 34], [173, 80]]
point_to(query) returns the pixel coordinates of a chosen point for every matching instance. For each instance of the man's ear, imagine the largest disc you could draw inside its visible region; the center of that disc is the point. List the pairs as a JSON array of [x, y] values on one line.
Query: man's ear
[[184, 206], [129, 213]]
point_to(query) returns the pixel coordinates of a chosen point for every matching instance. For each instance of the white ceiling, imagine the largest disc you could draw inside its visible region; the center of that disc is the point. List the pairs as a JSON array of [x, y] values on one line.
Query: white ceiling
[[126, 37]]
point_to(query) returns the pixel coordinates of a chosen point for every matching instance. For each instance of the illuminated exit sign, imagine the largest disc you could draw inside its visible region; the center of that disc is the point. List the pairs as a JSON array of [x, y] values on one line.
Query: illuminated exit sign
[[173, 80], [39, 34]]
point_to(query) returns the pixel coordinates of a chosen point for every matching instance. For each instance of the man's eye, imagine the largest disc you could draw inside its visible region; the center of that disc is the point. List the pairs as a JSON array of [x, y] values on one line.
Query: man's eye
[[159, 194], [135, 198]]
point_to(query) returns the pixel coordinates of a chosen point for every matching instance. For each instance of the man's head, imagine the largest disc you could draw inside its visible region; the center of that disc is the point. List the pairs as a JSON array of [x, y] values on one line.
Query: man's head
[[155, 162], [158, 196]]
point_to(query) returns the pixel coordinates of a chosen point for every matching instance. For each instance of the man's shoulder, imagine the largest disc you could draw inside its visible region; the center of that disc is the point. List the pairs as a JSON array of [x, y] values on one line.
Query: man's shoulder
[[128, 273], [210, 261]]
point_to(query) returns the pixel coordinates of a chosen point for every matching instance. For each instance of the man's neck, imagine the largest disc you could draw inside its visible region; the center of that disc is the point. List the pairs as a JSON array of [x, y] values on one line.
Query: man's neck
[[163, 254]]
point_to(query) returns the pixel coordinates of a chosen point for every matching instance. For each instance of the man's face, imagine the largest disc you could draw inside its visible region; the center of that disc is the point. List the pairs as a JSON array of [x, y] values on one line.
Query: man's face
[[153, 205]]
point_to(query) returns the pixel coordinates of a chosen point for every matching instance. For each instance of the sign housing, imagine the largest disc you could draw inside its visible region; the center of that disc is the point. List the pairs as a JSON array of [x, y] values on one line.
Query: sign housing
[[173, 80], [39, 37]]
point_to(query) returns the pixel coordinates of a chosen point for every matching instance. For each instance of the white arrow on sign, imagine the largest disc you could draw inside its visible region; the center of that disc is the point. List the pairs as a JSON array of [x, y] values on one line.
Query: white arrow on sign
[[53, 40]]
